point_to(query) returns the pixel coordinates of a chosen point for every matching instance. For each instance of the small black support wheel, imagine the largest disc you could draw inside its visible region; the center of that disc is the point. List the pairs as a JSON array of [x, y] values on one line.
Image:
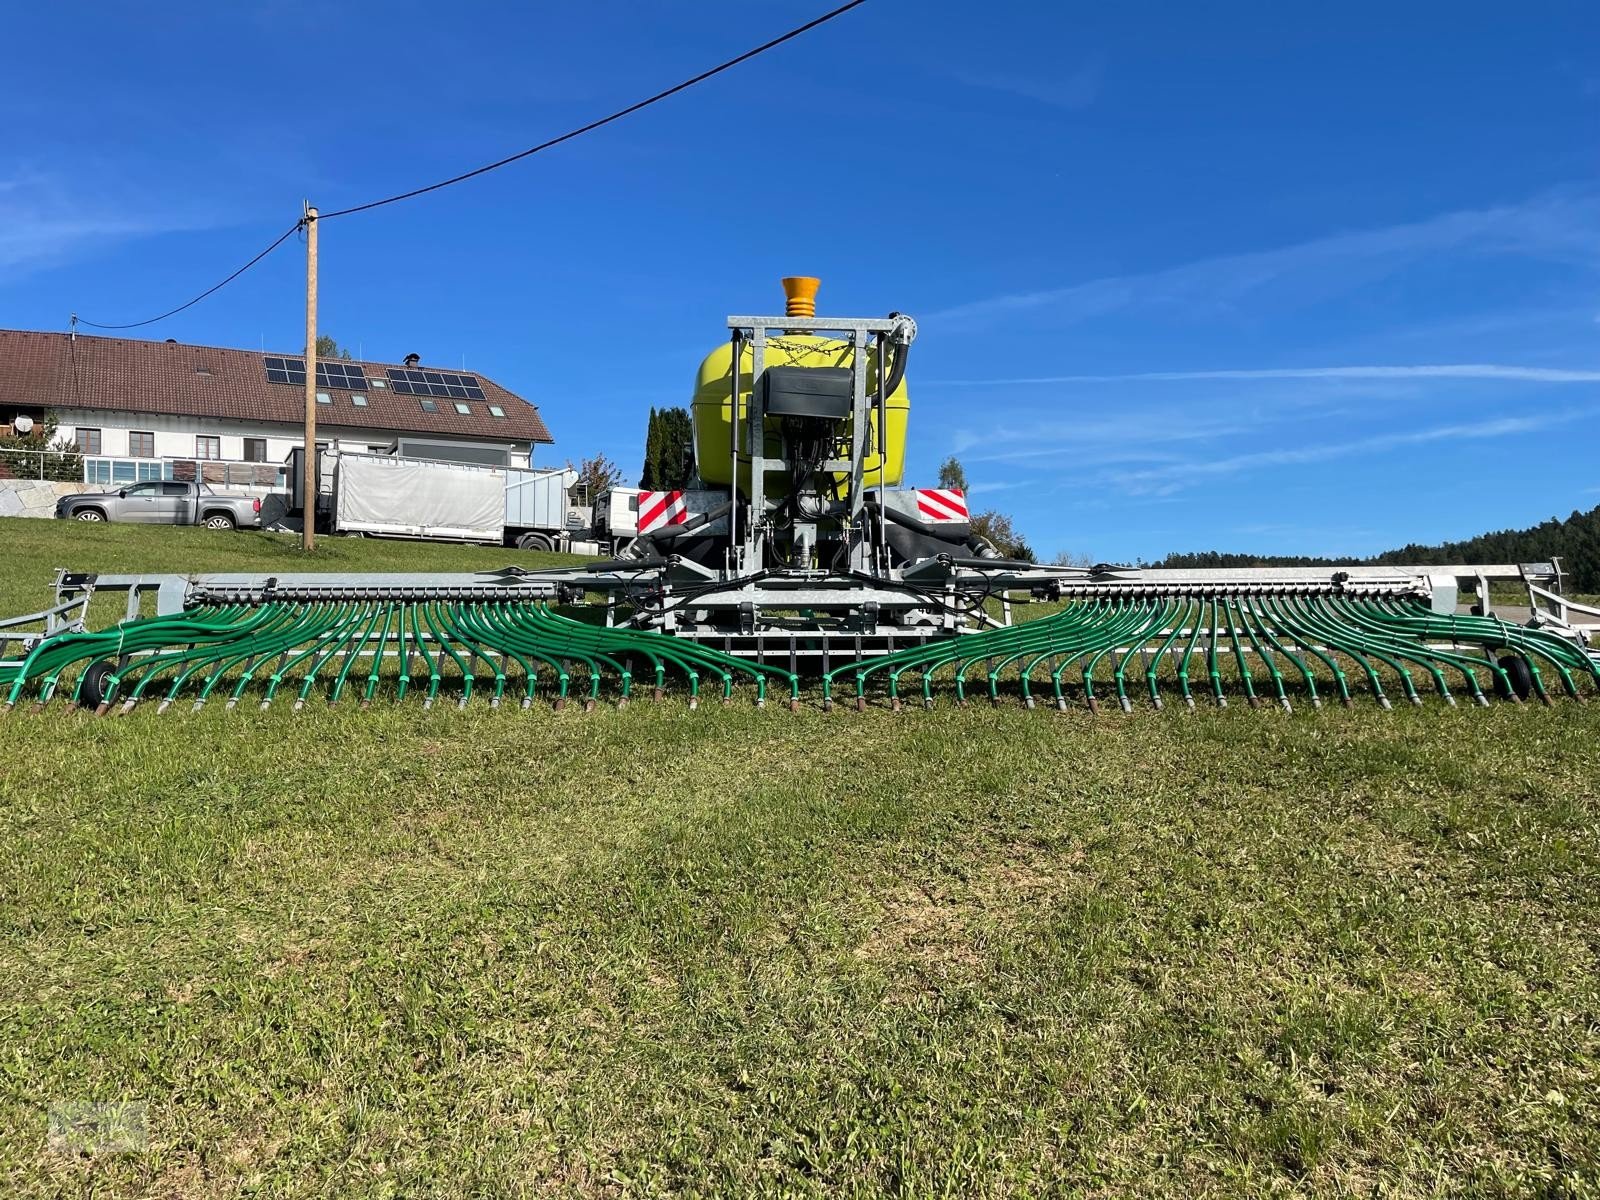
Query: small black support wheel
[[96, 685], [1516, 670]]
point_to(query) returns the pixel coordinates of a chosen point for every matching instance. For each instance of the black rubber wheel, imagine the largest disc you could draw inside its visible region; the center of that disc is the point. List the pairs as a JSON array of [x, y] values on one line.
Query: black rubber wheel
[[95, 686], [535, 541], [218, 521], [1517, 672]]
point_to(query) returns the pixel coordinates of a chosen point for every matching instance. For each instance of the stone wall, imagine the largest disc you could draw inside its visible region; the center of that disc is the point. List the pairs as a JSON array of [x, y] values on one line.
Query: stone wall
[[36, 498]]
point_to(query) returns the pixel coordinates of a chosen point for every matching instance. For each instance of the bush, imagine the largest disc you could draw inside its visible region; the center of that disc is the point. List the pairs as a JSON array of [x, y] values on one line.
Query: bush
[[40, 454]]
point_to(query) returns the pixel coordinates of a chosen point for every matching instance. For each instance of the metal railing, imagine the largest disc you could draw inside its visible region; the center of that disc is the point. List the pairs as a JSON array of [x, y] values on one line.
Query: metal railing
[[59, 466], [105, 470]]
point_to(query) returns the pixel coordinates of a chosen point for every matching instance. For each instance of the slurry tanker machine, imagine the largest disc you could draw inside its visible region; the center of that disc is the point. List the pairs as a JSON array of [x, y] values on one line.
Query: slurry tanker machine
[[799, 565]]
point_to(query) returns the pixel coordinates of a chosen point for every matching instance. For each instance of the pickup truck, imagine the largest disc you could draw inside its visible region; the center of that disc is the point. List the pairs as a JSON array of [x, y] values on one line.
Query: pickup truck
[[163, 502]]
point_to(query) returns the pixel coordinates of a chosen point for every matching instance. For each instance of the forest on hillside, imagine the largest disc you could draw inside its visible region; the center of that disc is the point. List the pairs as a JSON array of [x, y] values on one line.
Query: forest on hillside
[[1575, 541]]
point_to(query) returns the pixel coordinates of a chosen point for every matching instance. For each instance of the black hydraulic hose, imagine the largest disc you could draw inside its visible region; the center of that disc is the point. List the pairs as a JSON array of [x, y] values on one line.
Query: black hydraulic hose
[[926, 528], [645, 547], [897, 369]]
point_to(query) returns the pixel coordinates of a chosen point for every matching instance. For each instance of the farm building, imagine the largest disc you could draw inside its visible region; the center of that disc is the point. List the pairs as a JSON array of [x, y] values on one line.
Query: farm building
[[132, 407]]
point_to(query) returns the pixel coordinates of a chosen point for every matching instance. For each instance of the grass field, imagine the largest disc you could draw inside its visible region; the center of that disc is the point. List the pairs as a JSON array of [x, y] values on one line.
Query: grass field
[[34, 548], [730, 951]]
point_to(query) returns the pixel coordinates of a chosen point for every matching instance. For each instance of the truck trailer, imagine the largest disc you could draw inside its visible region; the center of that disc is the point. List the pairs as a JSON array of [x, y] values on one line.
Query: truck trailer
[[387, 495]]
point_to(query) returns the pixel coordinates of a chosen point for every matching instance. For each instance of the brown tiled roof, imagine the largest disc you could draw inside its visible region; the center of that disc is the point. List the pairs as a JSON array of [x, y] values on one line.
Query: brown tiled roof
[[56, 370]]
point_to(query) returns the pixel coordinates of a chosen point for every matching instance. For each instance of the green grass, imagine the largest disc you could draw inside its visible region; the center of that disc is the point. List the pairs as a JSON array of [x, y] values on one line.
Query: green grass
[[731, 952], [34, 548]]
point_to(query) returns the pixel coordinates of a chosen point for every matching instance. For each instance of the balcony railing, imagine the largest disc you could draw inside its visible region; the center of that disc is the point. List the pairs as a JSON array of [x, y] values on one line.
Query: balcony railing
[[112, 470], [59, 465]]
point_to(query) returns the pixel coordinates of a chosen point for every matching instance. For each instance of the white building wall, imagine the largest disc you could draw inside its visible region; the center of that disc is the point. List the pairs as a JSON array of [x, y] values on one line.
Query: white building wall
[[175, 436]]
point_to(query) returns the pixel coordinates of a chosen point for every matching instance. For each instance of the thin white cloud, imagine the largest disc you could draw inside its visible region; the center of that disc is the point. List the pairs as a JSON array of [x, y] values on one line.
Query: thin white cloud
[[1164, 480], [1072, 90], [1114, 433], [977, 489], [1560, 227], [1419, 371], [43, 220]]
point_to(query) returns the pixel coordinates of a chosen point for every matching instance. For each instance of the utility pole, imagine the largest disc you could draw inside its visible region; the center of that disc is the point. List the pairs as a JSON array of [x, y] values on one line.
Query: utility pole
[[310, 468]]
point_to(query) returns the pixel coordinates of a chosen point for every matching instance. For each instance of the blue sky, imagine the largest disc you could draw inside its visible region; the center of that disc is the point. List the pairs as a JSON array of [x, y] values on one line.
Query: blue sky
[[1247, 277]]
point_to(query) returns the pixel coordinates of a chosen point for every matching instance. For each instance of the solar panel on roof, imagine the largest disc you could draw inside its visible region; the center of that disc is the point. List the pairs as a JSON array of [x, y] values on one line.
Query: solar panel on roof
[[285, 370], [342, 375], [435, 383]]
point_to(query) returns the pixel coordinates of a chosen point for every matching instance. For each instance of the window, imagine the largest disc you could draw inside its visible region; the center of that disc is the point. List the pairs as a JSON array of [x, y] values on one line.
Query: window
[[427, 406], [359, 400], [148, 490], [255, 449], [207, 446], [324, 398], [141, 445], [176, 489], [463, 409], [88, 440], [496, 411], [123, 470]]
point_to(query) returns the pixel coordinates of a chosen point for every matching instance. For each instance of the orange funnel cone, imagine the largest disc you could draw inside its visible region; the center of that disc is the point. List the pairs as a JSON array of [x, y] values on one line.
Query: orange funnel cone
[[800, 292]]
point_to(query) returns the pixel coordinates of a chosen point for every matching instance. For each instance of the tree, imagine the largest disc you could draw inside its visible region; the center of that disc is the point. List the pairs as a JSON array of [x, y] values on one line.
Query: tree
[[1575, 541], [996, 526], [595, 475], [668, 450], [675, 465], [951, 474], [39, 453], [1067, 558], [328, 349], [652, 451]]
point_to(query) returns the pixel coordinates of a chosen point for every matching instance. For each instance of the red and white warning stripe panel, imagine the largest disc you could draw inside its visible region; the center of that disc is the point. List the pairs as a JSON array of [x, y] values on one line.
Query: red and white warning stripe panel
[[660, 509], [942, 504]]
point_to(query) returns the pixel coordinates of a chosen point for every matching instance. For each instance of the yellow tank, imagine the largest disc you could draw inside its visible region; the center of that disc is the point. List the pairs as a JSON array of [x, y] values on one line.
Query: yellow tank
[[713, 447]]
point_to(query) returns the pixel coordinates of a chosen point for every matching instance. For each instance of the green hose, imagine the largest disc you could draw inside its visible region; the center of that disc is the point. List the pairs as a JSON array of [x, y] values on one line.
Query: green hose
[[1271, 636]]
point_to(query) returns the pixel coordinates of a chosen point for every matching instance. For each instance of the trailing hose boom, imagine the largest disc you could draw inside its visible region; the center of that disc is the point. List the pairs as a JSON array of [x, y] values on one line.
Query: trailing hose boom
[[796, 563]]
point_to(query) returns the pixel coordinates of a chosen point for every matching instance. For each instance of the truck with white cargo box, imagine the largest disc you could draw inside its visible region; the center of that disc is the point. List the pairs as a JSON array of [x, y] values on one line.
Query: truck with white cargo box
[[385, 495], [412, 497]]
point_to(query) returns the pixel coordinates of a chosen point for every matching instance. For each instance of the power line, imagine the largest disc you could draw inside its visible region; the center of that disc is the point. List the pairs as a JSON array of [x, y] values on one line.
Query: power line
[[593, 125], [483, 170], [172, 312]]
